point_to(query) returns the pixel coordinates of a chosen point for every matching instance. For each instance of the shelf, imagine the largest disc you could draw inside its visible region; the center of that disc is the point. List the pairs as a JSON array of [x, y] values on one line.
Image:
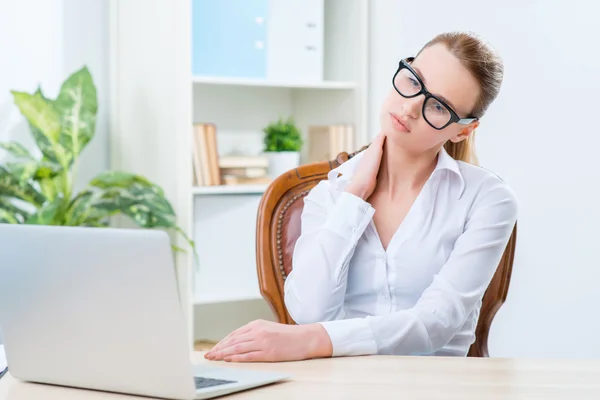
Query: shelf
[[222, 219], [216, 80], [229, 189], [225, 298]]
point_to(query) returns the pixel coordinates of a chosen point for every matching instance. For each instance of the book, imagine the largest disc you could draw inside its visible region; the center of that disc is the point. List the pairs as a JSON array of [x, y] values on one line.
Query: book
[[212, 154], [325, 142], [197, 157], [237, 180], [205, 156], [242, 169], [243, 162]]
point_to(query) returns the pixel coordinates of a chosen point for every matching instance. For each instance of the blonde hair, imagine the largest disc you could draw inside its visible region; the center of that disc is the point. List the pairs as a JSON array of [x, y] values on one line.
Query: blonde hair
[[484, 63], [463, 151]]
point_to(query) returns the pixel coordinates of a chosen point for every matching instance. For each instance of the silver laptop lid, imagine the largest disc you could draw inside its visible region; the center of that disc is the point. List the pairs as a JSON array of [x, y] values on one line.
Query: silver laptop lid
[[94, 308]]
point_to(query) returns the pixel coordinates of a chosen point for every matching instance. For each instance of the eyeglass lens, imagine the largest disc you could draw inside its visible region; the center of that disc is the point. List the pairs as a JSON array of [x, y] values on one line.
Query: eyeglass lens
[[408, 85]]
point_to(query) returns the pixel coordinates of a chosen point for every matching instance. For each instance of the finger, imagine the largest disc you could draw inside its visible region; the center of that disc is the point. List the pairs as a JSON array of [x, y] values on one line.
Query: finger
[[252, 356], [243, 329], [246, 337], [379, 140], [237, 349], [240, 331], [376, 145]]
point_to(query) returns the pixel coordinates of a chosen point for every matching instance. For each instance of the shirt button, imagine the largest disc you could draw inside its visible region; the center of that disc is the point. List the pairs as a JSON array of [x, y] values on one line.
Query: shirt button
[[385, 296]]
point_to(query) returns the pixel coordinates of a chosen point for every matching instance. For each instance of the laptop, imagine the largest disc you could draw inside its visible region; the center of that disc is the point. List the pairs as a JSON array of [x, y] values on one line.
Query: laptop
[[98, 308]]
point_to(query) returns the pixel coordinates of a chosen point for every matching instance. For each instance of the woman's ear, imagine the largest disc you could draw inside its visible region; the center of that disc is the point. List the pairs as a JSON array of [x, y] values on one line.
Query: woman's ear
[[465, 132]]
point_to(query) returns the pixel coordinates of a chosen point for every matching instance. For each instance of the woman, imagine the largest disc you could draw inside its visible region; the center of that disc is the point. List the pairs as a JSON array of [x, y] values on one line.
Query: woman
[[399, 244]]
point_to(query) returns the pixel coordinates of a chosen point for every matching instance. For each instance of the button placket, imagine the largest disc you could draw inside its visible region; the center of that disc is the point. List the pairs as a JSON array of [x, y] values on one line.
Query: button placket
[[386, 292]]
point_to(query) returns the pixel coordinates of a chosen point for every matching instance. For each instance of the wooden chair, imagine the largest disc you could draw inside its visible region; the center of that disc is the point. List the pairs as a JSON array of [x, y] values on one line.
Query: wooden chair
[[278, 228]]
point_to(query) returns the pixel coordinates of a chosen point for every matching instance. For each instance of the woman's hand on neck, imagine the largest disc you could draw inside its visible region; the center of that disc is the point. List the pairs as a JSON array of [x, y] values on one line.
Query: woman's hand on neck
[[401, 171]]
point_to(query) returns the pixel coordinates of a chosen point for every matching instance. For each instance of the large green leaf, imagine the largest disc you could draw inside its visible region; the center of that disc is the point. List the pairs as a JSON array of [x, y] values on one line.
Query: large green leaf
[[97, 223], [81, 210], [39, 112], [143, 200], [77, 106], [22, 171], [153, 197], [97, 215], [44, 121], [144, 204], [50, 187], [12, 212], [16, 150], [52, 151], [26, 170], [13, 186], [119, 179], [46, 214], [47, 170], [40, 93], [7, 217]]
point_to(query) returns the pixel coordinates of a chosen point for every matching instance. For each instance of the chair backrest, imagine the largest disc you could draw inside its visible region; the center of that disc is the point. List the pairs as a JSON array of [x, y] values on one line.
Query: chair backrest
[[278, 228]]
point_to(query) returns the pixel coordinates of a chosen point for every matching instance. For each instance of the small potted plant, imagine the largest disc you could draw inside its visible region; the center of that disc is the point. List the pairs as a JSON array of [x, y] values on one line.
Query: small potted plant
[[283, 142]]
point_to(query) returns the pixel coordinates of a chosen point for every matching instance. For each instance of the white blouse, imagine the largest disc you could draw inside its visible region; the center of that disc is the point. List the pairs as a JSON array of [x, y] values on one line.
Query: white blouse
[[423, 294]]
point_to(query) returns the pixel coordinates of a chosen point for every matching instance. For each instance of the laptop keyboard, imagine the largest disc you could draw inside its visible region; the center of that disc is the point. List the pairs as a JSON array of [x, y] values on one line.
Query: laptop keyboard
[[202, 382]]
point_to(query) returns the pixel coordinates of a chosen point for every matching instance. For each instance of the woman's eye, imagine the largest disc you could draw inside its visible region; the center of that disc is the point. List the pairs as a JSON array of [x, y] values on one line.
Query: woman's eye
[[414, 82], [436, 107]]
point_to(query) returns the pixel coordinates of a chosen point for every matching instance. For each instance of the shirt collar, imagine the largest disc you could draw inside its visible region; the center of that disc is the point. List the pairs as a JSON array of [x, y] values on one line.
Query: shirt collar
[[346, 170], [446, 162]]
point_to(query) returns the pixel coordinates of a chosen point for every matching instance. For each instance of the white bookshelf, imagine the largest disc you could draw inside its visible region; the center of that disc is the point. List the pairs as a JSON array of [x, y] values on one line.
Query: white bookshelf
[[217, 298], [217, 80], [155, 100], [229, 189]]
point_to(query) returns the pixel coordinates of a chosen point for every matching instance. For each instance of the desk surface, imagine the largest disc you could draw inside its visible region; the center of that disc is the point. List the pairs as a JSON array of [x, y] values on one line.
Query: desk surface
[[387, 377]]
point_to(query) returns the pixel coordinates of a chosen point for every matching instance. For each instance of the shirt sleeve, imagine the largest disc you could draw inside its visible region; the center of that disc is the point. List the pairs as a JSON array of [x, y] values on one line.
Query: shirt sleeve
[[330, 229], [454, 293]]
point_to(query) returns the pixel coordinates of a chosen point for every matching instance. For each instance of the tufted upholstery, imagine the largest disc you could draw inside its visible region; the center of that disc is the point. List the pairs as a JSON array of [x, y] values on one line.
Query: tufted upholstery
[[278, 228]]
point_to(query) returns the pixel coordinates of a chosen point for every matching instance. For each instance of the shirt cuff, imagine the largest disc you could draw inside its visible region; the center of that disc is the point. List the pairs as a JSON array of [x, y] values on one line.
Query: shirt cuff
[[350, 337], [350, 216]]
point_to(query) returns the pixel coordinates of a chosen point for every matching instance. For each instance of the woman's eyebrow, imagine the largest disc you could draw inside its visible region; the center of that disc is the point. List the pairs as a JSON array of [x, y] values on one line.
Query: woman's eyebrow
[[445, 100]]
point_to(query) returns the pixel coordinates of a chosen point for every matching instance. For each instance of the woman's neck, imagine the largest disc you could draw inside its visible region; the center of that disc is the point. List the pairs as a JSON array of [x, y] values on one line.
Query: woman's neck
[[401, 171]]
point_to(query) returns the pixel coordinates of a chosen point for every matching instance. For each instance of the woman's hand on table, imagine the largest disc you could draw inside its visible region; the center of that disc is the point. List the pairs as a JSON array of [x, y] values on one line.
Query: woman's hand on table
[[265, 341]]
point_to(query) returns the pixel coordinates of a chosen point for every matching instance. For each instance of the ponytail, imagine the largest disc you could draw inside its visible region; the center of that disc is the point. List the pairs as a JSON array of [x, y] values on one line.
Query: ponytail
[[464, 150]]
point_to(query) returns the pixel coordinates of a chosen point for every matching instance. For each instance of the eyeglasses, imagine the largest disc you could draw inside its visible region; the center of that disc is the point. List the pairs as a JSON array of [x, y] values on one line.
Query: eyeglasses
[[436, 112]]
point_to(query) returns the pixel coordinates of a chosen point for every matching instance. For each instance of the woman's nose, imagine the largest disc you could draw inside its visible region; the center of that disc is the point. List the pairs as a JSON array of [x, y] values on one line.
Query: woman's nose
[[412, 107]]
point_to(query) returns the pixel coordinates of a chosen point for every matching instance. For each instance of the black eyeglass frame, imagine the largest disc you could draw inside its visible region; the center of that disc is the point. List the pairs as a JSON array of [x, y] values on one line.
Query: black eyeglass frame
[[453, 115]]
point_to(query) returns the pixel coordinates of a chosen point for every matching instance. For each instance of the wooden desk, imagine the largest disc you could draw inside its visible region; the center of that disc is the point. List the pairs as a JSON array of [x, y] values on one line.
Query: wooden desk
[[388, 378]]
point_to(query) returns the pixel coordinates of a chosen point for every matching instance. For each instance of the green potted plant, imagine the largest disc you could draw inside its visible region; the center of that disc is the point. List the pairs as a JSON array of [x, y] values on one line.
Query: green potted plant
[[282, 144], [40, 191]]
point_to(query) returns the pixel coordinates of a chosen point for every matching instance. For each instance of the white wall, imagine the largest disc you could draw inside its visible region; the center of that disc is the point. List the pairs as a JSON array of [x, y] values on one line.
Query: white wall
[[43, 41], [542, 137]]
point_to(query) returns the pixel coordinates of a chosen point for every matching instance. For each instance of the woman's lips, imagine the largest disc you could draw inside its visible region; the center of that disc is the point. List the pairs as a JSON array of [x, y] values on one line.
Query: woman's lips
[[398, 124]]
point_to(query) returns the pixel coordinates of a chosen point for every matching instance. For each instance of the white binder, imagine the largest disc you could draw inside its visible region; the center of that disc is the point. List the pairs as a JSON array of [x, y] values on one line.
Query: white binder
[[295, 41]]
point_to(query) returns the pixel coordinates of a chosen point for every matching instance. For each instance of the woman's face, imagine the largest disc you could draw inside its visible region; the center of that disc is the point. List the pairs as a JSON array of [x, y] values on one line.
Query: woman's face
[[444, 76]]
